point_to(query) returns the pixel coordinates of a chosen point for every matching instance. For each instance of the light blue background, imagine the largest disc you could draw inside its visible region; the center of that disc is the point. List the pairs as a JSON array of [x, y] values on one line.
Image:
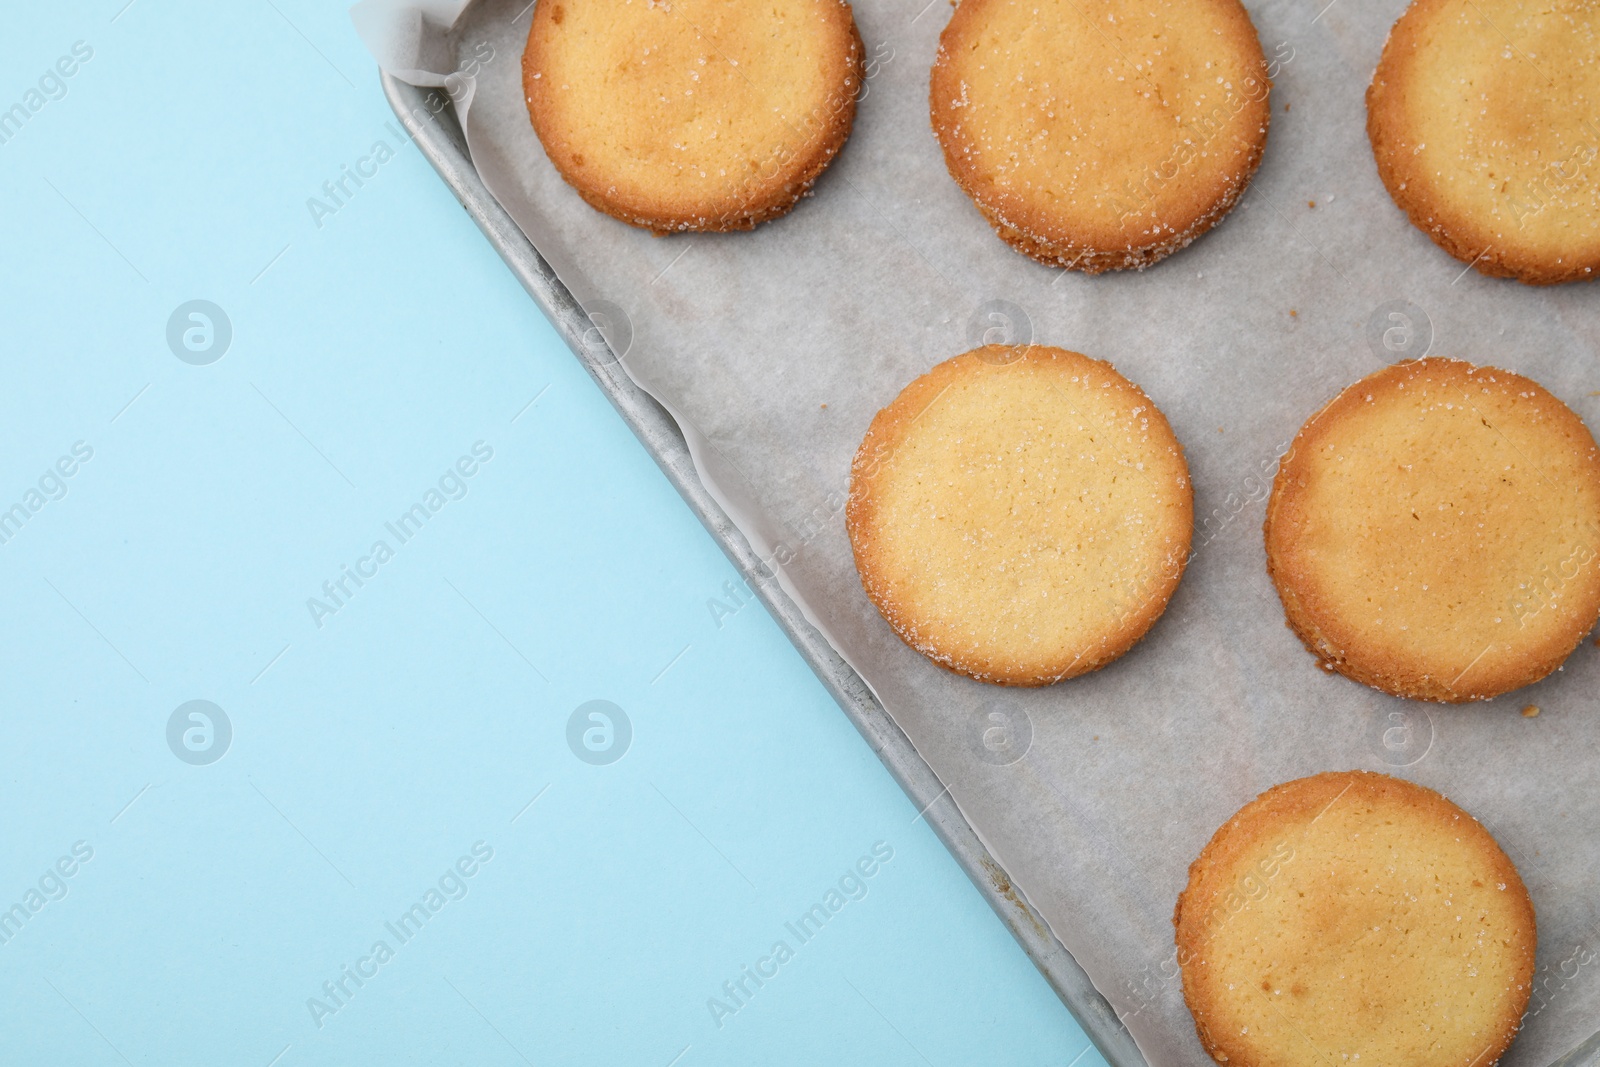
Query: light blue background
[[369, 754]]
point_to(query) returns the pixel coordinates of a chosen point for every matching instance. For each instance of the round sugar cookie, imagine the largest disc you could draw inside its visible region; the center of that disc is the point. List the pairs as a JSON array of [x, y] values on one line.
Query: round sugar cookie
[[1434, 530], [1353, 918], [1101, 135], [1020, 514], [1482, 117], [703, 115]]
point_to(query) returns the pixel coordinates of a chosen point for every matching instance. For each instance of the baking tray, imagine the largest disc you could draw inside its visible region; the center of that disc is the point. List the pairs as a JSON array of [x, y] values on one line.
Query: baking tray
[[441, 141]]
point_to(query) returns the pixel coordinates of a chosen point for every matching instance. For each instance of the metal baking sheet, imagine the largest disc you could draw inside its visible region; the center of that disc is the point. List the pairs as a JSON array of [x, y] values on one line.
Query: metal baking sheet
[[888, 270], [438, 136]]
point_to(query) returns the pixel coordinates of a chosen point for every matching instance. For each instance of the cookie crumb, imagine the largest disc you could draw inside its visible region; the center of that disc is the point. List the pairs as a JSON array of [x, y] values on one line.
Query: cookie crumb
[[1531, 711], [1311, 203], [1293, 314], [824, 407]]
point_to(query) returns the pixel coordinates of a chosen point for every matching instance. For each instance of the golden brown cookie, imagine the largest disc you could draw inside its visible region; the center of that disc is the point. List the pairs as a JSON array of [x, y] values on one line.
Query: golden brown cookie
[[1354, 919], [1484, 117], [1020, 514], [1433, 532], [1100, 134], [701, 115]]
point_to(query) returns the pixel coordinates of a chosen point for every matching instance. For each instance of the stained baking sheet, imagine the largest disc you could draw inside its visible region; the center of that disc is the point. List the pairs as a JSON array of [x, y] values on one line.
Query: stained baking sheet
[[773, 350]]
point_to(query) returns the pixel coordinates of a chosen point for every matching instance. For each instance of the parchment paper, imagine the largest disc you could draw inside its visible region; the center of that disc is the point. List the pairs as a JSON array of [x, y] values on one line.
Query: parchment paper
[[774, 349]]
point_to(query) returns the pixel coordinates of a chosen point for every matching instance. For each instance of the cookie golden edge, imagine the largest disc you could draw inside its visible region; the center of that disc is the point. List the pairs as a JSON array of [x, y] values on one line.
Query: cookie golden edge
[[1463, 237], [1289, 802], [1022, 227], [771, 199], [890, 426], [1327, 640]]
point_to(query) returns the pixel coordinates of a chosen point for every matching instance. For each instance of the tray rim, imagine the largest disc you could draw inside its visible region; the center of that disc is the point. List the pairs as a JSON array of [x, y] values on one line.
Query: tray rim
[[443, 144]]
